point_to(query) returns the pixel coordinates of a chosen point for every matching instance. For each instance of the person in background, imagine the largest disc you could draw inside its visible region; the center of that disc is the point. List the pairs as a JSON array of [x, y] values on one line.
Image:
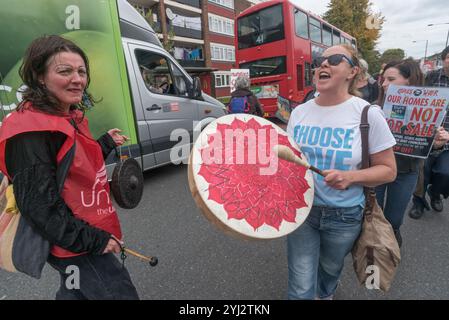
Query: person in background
[[435, 171], [367, 86], [317, 249], [312, 94], [34, 140], [378, 76], [395, 196], [244, 95]]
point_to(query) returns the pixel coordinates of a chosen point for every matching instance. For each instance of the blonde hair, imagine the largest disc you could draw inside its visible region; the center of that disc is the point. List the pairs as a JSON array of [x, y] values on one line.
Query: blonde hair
[[355, 58]]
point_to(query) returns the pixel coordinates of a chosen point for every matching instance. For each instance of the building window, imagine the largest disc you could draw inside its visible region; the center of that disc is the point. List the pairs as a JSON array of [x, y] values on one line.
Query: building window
[[224, 3], [221, 25], [222, 52], [222, 79]]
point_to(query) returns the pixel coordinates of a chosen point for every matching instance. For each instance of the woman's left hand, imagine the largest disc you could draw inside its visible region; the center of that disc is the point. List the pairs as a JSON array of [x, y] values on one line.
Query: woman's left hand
[[441, 137], [118, 138], [337, 179]]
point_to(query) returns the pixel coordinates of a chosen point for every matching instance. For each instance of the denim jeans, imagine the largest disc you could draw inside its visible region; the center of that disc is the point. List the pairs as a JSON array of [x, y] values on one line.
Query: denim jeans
[[317, 249], [399, 193], [102, 277]]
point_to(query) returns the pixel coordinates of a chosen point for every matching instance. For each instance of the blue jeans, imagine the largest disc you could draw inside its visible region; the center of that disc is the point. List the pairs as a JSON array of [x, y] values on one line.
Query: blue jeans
[[399, 193], [102, 277], [317, 249]]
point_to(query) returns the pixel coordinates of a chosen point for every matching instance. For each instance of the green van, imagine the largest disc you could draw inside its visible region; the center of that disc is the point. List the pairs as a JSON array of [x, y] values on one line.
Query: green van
[[142, 89]]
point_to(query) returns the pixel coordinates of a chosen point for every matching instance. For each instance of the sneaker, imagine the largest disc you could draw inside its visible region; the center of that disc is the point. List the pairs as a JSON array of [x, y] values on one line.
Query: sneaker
[[417, 210], [398, 236], [435, 201]]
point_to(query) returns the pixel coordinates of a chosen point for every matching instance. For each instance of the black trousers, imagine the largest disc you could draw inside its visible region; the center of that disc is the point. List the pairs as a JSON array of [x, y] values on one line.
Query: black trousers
[[436, 174], [101, 277]]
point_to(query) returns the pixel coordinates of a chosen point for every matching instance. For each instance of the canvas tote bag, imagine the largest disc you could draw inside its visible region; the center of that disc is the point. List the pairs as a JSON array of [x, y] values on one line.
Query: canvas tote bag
[[376, 252]]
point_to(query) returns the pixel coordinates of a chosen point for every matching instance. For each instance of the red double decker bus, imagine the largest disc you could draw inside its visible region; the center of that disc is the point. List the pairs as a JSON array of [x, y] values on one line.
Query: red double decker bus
[[277, 41]]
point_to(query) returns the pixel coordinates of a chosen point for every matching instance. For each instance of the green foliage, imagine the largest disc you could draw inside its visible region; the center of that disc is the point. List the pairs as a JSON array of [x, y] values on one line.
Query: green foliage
[[373, 59], [356, 18], [392, 54], [169, 44], [149, 18], [224, 100]]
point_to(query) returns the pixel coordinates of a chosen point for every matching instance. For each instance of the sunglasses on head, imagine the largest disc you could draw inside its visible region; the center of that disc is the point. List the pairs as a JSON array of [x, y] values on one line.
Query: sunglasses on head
[[333, 60]]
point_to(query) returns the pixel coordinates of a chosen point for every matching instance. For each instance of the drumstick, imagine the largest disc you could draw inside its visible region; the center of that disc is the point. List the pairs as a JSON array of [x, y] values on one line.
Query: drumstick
[[286, 153], [152, 260]]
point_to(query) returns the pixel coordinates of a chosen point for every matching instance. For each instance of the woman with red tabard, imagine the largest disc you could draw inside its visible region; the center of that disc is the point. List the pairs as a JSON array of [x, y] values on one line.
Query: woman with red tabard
[[80, 222]]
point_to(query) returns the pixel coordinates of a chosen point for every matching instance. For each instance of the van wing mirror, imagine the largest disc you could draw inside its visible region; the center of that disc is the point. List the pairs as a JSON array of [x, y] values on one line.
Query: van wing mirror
[[195, 90]]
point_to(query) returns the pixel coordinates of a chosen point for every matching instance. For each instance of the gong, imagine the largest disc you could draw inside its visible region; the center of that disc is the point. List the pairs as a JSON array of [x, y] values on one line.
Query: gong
[[127, 183]]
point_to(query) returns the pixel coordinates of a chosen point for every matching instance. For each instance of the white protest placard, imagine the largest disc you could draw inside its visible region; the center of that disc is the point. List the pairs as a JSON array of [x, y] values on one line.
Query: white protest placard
[[413, 114], [235, 73]]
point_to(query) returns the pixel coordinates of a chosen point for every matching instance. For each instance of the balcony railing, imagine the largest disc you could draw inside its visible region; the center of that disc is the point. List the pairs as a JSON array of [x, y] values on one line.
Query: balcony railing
[[186, 32], [191, 63], [192, 3]]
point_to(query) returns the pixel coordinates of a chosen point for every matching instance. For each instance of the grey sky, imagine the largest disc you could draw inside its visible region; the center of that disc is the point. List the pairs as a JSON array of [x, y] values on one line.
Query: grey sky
[[406, 21]]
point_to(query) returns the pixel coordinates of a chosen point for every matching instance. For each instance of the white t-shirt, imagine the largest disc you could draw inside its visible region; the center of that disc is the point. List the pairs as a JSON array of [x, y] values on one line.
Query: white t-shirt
[[330, 138]]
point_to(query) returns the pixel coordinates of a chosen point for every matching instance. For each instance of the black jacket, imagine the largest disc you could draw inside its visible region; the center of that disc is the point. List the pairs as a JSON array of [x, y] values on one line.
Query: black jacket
[[370, 92], [255, 106], [309, 96], [437, 78], [31, 163]]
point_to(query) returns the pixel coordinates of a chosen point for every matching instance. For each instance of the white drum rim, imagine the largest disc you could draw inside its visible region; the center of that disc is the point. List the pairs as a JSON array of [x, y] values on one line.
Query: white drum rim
[[264, 232]]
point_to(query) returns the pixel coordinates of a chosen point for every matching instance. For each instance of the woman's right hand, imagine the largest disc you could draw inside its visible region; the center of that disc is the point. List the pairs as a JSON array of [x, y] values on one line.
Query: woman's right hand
[[113, 245], [338, 179], [441, 138]]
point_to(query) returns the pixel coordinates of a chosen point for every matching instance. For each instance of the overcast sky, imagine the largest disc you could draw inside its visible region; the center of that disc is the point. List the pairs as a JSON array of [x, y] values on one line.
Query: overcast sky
[[406, 21]]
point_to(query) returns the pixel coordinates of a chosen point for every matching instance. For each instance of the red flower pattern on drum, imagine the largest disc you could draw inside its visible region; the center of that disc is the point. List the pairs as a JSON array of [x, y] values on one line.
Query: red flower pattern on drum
[[240, 188]]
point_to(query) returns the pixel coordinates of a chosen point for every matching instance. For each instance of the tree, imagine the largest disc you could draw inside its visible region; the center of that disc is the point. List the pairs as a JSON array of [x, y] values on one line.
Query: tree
[[149, 18], [356, 18], [373, 59], [391, 55], [169, 44]]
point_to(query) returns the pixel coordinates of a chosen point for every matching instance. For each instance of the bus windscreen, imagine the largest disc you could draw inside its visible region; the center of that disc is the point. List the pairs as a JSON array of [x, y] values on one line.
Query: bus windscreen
[[265, 67], [261, 27]]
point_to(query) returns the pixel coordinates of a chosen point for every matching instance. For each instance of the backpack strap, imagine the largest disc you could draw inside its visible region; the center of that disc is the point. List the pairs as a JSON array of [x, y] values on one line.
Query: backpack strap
[[247, 105], [63, 167]]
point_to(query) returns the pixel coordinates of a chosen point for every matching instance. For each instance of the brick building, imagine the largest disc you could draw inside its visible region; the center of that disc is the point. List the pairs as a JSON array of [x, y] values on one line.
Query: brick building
[[200, 35]]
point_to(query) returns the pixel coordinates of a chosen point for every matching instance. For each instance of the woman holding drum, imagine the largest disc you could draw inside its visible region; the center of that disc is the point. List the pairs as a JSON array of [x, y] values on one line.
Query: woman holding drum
[[327, 130]]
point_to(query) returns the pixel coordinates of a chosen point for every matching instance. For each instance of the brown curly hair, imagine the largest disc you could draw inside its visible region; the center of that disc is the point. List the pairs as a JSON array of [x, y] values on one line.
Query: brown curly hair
[[35, 64]]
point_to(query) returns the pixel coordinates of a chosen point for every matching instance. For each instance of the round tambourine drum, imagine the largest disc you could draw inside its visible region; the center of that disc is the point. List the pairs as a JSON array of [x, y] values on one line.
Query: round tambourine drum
[[239, 183]]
